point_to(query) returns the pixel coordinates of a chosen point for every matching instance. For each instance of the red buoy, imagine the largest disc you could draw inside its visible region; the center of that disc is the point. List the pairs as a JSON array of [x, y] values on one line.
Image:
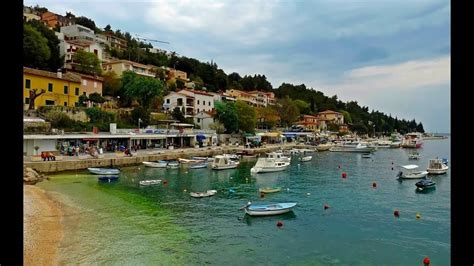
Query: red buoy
[[344, 175], [262, 194], [374, 185], [326, 206], [396, 213], [279, 223], [165, 182], [426, 261]]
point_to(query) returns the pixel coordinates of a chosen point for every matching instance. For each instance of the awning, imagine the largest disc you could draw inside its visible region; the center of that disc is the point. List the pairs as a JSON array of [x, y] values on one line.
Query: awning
[[270, 134], [200, 137], [288, 135]]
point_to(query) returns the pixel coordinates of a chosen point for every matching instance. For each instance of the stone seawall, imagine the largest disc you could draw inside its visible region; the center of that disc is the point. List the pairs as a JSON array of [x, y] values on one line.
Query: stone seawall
[[78, 164]]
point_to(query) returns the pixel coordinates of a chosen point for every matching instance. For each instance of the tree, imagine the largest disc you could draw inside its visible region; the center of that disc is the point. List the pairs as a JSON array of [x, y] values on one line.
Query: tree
[[143, 89], [227, 115], [111, 84], [179, 84], [267, 117], [303, 106], [313, 105], [36, 52], [33, 95], [108, 28], [177, 114], [360, 128], [55, 61], [141, 113], [96, 98], [288, 111], [86, 22], [86, 63], [347, 116], [218, 127], [83, 99], [247, 117]]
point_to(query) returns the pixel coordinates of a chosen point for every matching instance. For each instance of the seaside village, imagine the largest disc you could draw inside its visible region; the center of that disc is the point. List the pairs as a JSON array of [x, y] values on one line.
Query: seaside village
[[183, 125]]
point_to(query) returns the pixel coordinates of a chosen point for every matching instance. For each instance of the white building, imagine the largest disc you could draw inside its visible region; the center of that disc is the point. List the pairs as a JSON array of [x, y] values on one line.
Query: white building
[[192, 101], [204, 119]]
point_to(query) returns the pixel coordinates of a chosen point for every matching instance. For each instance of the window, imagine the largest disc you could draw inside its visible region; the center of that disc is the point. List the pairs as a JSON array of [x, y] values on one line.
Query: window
[[95, 84], [198, 101], [28, 84], [198, 110], [27, 100], [65, 103], [209, 103], [167, 100], [50, 87], [204, 102], [65, 90], [77, 91], [84, 82], [49, 102], [199, 120], [95, 51]]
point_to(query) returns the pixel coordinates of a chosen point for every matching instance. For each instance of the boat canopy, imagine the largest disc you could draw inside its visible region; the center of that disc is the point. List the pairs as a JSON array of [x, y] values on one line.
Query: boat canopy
[[410, 166]]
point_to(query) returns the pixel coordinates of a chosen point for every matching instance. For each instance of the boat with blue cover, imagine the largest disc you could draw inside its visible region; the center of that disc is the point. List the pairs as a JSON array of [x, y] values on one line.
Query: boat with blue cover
[[104, 171], [268, 209]]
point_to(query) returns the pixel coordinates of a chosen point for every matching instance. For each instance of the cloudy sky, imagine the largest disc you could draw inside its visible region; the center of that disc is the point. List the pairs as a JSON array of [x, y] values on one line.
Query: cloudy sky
[[391, 55]]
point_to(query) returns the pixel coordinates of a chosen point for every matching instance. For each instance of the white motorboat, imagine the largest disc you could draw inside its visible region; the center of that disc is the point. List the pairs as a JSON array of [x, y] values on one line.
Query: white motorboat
[[278, 156], [414, 156], [103, 171], [437, 167], [203, 194], [395, 144], [222, 162], [159, 164], [324, 147], [352, 147], [150, 182], [173, 165], [267, 165], [199, 165], [411, 172], [306, 158], [412, 140], [268, 209]]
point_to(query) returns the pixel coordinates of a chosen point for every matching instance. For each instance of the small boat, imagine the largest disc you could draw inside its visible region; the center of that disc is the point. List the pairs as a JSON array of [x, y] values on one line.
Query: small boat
[[103, 171], [269, 189], [150, 182], [268, 209], [279, 156], [324, 147], [173, 165], [414, 156], [366, 155], [222, 162], [184, 161], [206, 159], [425, 184], [208, 193], [352, 147], [437, 167], [411, 173], [108, 178], [198, 166], [306, 158], [267, 165], [395, 144], [159, 164]]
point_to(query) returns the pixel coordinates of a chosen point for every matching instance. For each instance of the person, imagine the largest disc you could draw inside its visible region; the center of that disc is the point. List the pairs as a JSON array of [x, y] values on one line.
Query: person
[[77, 150], [43, 156], [51, 157]]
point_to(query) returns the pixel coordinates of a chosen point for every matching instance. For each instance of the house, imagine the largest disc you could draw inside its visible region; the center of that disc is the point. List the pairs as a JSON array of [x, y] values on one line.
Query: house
[[90, 83], [113, 41], [53, 20], [331, 117], [204, 119], [60, 89], [254, 98], [312, 123], [30, 14], [119, 66], [192, 101], [343, 128]]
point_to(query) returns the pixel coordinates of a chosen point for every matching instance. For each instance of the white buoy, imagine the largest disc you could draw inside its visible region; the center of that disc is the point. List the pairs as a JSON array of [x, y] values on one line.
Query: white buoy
[[308, 194]]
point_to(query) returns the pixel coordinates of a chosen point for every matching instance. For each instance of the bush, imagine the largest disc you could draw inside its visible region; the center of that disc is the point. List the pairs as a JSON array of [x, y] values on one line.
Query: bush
[[98, 116]]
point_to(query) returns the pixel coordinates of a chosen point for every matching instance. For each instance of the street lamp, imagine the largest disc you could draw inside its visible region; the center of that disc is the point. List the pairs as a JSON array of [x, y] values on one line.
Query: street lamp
[[139, 120]]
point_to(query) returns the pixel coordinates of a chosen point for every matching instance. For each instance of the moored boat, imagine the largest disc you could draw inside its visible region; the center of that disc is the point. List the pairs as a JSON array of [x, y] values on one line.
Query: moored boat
[[222, 162], [267, 165], [103, 171], [306, 158], [268, 209], [150, 182], [437, 167], [414, 156], [366, 155], [425, 184], [173, 164], [159, 164], [208, 193], [411, 172], [198, 166], [269, 189], [108, 178], [352, 147]]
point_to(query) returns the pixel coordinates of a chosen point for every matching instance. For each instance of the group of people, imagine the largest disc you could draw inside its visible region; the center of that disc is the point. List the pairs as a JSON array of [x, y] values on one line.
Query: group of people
[[48, 156]]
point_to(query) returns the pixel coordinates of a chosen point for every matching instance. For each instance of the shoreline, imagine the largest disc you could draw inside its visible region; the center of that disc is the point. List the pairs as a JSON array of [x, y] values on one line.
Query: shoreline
[[42, 227]]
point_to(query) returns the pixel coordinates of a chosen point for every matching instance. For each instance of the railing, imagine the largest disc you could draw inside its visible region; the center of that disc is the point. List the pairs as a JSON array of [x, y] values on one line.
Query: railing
[[164, 131]]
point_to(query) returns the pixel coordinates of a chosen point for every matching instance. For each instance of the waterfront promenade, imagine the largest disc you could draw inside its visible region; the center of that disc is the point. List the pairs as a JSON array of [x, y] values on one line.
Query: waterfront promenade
[[69, 163]]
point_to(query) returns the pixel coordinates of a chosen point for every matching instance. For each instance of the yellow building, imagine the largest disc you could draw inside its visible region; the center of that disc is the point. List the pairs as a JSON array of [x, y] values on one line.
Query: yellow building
[[60, 89]]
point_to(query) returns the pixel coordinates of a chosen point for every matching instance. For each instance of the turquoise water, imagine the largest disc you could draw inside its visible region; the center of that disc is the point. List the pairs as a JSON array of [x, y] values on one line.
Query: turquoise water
[[124, 223]]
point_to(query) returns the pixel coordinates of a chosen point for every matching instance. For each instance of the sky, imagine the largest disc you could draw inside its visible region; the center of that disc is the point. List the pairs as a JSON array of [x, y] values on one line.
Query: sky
[[393, 56]]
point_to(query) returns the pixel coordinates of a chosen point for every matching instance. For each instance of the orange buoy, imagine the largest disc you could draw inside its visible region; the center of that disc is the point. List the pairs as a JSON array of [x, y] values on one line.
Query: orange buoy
[[326, 206], [344, 174], [396, 213], [279, 223], [426, 261], [374, 185]]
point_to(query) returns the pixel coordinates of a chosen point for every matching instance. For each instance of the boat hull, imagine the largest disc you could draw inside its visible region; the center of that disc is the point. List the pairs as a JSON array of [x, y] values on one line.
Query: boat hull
[[416, 175], [437, 171], [268, 210], [103, 171], [224, 167], [258, 170], [199, 166], [155, 164], [269, 190]]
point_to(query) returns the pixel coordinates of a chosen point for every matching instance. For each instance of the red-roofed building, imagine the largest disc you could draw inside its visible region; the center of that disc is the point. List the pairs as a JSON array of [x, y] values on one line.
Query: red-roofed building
[[331, 117], [312, 123], [254, 98]]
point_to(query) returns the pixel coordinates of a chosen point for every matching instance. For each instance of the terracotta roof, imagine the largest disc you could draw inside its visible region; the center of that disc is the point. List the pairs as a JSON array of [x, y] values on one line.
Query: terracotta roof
[[180, 93], [66, 76], [198, 92], [129, 62], [99, 78], [309, 116], [329, 112]]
